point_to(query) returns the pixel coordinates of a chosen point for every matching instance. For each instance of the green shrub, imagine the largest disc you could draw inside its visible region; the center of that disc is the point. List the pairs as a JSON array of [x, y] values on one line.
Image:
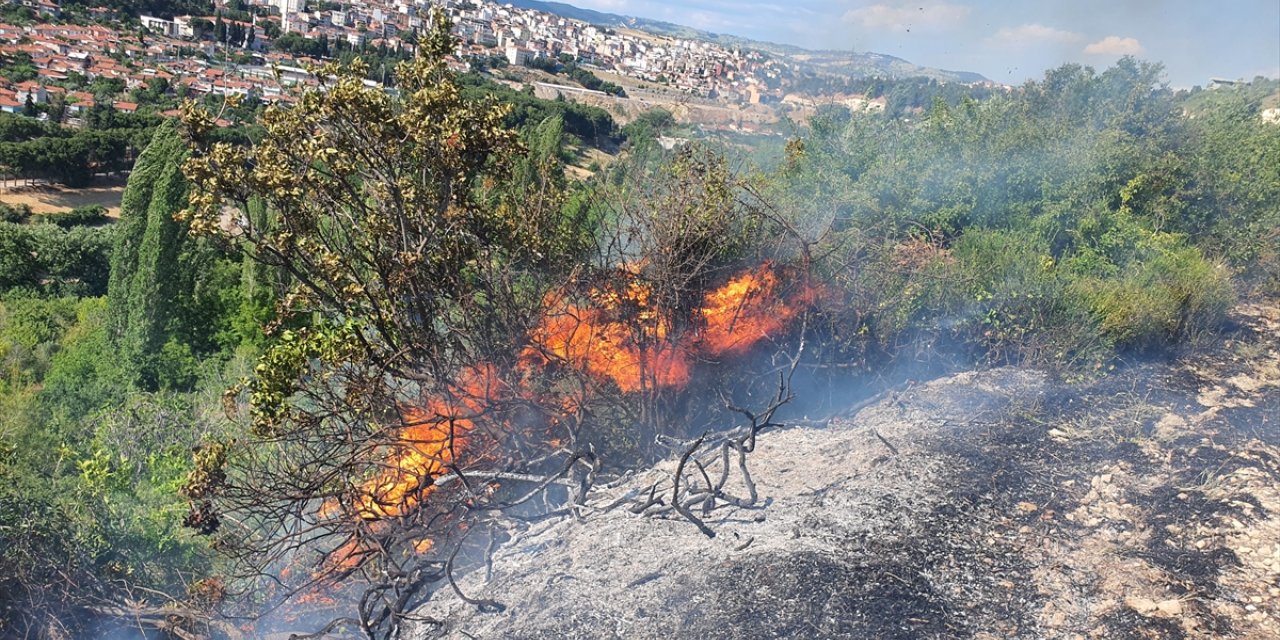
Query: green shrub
[[14, 212], [1173, 294], [1020, 308], [87, 215]]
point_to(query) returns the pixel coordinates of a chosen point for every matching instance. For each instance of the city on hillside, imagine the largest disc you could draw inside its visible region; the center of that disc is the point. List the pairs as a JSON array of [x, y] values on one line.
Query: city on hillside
[[61, 62]]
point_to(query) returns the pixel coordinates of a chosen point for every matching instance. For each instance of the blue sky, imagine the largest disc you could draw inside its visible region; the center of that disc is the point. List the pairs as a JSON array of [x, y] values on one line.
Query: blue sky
[[1005, 40]]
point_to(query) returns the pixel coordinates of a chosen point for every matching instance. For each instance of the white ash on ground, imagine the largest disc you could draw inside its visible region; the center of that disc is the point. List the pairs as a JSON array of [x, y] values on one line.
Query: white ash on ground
[[993, 504]]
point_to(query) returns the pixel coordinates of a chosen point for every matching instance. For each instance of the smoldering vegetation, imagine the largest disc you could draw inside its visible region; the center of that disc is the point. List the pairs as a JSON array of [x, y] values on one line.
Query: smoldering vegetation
[[997, 503]]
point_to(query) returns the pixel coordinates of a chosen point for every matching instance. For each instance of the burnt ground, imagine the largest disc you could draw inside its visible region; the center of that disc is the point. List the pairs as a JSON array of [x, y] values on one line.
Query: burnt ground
[[991, 504]]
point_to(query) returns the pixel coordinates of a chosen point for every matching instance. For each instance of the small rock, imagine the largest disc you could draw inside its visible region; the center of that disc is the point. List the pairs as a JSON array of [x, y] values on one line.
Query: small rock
[[1170, 608], [1027, 507], [1199, 544], [1141, 605]]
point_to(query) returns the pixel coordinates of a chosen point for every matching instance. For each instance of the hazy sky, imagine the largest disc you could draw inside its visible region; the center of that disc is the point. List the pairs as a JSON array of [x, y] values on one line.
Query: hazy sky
[[1005, 40]]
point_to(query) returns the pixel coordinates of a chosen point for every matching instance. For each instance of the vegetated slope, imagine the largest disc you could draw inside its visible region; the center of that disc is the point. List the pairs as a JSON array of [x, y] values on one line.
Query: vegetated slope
[[870, 64], [845, 63], [991, 504]]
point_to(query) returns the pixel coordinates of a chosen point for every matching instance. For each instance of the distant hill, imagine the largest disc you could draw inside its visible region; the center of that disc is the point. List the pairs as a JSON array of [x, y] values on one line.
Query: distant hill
[[842, 63]]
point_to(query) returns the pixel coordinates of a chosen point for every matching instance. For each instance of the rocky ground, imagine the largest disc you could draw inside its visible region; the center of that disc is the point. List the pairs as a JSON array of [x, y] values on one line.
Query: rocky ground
[[993, 504]]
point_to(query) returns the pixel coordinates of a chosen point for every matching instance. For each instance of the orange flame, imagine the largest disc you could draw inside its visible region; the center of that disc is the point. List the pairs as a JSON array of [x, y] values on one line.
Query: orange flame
[[433, 435], [613, 335], [601, 341], [745, 311]]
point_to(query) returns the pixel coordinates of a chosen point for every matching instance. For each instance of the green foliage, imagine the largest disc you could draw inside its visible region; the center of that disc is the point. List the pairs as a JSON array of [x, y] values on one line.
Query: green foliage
[[579, 75], [284, 368], [16, 14], [159, 8], [299, 45], [87, 374], [50, 259], [104, 90], [1232, 175], [1078, 216], [173, 298], [17, 263], [1018, 306], [18, 68], [648, 126], [15, 128], [31, 329], [591, 124], [14, 212], [537, 183], [86, 215], [71, 160], [1166, 292], [89, 470]]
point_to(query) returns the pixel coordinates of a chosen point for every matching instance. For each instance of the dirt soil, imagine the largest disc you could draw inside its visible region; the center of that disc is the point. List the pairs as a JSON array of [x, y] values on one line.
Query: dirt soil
[[989, 504], [52, 198]]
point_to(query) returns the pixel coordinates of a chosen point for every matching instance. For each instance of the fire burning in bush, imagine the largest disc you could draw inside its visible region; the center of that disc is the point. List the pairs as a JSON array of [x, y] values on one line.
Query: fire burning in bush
[[609, 337]]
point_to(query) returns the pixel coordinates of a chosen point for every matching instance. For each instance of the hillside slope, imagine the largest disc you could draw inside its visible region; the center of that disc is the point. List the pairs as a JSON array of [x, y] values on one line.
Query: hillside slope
[[993, 504], [840, 63]]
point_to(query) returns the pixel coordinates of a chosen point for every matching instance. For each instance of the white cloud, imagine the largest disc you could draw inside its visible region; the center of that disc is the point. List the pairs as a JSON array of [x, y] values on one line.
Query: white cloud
[[1029, 35], [921, 16], [1115, 46]]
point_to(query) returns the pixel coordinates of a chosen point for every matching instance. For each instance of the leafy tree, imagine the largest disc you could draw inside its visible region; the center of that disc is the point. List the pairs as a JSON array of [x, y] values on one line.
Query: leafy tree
[[17, 265], [88, 475], [106, 89], [648, 126], [392, 256], [593, 125], [145, 272], [160, 8], [18, 67], [49, 259], [15, 128]]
